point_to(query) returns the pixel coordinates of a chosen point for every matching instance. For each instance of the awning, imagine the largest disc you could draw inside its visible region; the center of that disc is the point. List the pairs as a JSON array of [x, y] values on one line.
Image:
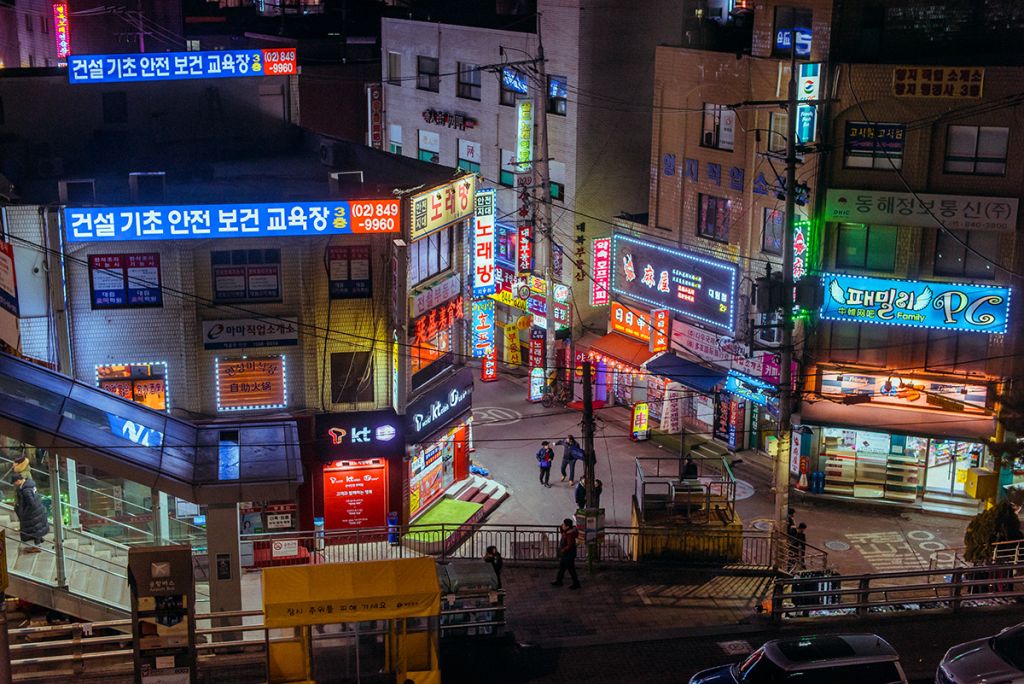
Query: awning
[[901, 421], [619, 347], [350, 592], [688, 373]]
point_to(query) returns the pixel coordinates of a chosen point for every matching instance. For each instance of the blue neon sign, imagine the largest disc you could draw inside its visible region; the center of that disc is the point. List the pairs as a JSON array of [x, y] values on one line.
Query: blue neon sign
[[751, 389], [697, 287], [177, 66], [784, 38], [916, 304], [192, 222], [514, 80]]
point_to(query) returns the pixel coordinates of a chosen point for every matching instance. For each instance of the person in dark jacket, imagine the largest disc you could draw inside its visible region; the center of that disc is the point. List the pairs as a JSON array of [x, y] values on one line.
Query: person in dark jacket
[[571, 451], [30, 512], [545, 455], [567, 554], [581, 494], [494, 558]]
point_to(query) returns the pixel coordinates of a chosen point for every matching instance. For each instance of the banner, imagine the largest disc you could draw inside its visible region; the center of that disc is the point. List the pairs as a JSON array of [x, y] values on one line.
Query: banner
[[176, 66]]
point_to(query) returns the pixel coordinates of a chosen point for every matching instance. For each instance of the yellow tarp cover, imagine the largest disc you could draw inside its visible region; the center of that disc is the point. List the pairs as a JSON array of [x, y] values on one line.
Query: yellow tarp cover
[[350, 592]]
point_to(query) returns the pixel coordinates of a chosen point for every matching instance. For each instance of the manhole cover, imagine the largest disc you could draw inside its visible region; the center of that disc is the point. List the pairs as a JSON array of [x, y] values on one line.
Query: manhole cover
[[735, 647], [487, 416], [762, 525], [836, 545]]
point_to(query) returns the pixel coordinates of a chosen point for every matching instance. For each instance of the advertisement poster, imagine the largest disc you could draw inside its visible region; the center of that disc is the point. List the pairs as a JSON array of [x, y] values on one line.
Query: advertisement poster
[[349, 272], [124, 280], [355, 494], [142, 273]]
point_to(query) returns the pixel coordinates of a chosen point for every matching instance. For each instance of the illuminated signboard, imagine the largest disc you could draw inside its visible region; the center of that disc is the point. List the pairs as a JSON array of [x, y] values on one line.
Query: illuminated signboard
[[437, 208], [538, 340], [916, 304], [359, 434], [483, 327], [525, 251], [751, 389], [629, 321], [697, 287], [176, 66], [62, 30], [144, 382], [241, 333], [483, 243], [641, 420], [442, 317], [513, 354], [801, 236], [809, 83], [906, 390], [355, 494], [194, 222], [489, 366], [784, 38], [600, 271], [439, 405], [251, 384], [948, 212], [661, 329], [524, 135]]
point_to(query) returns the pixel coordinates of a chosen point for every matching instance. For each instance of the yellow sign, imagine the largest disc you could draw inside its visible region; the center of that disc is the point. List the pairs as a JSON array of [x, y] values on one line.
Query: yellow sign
[[513, 354], [938, 82], [524, 135], [437, 208]]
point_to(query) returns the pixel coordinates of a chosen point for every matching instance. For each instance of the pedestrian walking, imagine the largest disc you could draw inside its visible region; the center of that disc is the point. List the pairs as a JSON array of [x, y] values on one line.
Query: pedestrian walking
[[571, 452], [690, 471], [545, 455], [567, 554], [30, 512], [800, 543], [598, 488], [790, 522], [494, 558]]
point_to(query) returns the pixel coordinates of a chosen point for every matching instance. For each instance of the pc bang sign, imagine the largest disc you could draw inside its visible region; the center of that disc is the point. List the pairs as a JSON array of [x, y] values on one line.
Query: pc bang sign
[[916, 304]]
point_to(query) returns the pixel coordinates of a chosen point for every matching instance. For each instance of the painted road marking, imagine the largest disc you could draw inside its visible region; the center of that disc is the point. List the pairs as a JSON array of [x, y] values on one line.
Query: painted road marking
[[892, 551], [487, 416], [735, 648]]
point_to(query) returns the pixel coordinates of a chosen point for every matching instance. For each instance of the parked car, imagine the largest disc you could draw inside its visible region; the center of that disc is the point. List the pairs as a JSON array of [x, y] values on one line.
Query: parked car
[[826, 659], [997, 659]]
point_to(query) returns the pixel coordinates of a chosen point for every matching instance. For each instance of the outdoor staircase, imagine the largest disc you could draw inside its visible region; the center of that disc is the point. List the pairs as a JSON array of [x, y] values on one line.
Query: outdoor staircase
[[482, 490]]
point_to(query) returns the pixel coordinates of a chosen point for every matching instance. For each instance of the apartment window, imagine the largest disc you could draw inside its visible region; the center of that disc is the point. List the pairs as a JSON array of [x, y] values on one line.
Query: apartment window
[[790, 21], [513, 86], [772, 231], [28, 23], [978, 150], [714, 219], [351, 377], [430, 255], [778, 130], [866, 248], [115, 108], [395, 139], [193, 45], [866, 344], [507, 174], [246, 275], [430, 147], [873, 145], [395, 68], [427, 75], [719, 129], [468, 86], [558, 95], [44, 25], [31, 60], [951, 352], [967, 254], [770, 331], [469, 156], [556, 174]]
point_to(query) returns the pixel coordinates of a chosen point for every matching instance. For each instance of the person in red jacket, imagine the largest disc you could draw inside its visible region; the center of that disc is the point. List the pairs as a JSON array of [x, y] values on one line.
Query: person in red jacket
[[567, 554]]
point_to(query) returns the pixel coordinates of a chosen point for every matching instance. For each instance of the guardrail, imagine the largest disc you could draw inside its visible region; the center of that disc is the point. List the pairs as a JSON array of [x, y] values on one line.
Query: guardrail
[[912, 590], [660, 489]]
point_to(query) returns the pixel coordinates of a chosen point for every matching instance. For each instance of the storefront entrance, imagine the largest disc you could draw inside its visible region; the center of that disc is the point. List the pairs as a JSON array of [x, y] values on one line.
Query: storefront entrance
[[948, 463]]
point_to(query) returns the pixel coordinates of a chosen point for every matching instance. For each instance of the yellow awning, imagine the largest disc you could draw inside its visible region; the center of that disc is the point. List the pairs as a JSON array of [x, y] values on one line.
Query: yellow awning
[[350, 592]]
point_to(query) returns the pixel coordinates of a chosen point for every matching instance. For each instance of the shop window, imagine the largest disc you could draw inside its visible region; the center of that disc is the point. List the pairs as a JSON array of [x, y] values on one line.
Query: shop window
[[772, 334], [246, 275], [469, 156], [866, 248], [977, 150], [966, 254], [956, 352], [514, 86], [558, 95], [719, 128], [395, 68], [429, 147], [771, 231], [714, 219], [778, 132], [143, 383], [870, 145], [351, 377], [430, 256], [790, 21], [507, 174], [427, 75], [865, 344], [468, 86], [115, 107], [430, 357]]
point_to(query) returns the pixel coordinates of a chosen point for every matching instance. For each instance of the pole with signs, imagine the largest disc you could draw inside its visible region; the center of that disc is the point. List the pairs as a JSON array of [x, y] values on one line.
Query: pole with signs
[[542, 202]]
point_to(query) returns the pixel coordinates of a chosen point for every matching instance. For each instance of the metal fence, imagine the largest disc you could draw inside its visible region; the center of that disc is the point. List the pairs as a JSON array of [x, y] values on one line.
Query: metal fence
[[660, 489]]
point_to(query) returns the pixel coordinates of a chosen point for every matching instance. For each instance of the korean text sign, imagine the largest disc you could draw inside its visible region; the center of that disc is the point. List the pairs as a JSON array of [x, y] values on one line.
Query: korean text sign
[[251, 383], [954, 212], [61, 29], [483, 327], [692, 285], [437, 208], [483, 244], [193, 222], [124, 280], [917, 304], [600, 270], [177, 66]]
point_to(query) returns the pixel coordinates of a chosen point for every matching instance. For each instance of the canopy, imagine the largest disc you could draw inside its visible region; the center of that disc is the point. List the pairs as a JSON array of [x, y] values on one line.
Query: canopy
[[899, 420], [298, 595], [688, 373], [628, 351]]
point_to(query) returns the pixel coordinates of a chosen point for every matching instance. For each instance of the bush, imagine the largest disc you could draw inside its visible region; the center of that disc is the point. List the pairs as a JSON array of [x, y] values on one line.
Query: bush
[[997, 524]]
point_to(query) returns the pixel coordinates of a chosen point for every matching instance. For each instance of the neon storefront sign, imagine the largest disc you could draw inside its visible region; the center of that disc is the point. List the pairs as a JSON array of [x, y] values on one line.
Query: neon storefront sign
[[177, 66]]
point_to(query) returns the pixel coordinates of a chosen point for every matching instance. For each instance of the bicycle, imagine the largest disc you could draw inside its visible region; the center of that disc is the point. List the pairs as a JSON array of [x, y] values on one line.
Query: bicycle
[[555, 394]]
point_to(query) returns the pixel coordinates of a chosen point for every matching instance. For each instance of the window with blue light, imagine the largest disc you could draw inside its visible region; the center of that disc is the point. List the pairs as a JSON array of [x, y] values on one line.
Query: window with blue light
[[229, 454], [558, 95], [513, 86]]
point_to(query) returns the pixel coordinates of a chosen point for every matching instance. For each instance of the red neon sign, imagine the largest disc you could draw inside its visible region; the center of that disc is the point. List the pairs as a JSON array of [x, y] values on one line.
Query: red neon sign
[[62, 30], [489, 369]]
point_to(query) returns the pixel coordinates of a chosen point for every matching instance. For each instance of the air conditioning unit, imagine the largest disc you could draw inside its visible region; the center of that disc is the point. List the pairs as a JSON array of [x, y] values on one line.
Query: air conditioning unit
[[331, 153], [148, 187], [79, 192]]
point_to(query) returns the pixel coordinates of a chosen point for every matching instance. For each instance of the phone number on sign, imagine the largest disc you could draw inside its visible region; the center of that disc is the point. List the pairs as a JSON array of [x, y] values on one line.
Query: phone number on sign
[[378, 216], [279, 61]]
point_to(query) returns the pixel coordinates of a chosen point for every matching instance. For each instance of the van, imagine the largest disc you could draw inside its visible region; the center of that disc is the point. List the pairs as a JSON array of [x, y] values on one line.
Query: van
[[826, 659]]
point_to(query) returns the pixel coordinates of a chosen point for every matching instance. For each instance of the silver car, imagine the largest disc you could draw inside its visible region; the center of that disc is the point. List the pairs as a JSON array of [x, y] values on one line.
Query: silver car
[[997, 659]]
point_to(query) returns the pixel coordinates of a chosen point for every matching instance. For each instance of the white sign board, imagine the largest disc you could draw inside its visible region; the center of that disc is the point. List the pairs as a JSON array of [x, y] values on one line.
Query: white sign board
[[284, 548], [954, 212]]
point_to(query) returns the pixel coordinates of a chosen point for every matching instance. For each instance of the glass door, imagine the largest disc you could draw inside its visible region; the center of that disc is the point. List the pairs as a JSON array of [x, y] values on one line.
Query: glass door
[[948, 463]]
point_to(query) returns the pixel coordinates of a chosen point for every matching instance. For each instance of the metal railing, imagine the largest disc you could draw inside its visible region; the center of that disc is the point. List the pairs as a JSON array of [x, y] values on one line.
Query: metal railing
[[660, 489], [911, 590]]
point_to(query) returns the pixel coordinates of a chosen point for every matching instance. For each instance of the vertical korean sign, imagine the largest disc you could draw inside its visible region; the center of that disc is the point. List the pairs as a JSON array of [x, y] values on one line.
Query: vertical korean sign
[[525, 251], [537, 341], [600, 271], [61, 30], [524, 135], [483, 327], [9, 310], [483, 243], [661, 330]]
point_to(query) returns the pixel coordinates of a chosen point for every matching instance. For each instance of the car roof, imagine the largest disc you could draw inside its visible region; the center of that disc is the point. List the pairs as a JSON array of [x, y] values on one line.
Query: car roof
[[809, 651]]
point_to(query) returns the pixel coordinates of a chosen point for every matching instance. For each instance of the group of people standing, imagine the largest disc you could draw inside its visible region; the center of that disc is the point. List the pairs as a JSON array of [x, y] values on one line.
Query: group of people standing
[[572, 452]]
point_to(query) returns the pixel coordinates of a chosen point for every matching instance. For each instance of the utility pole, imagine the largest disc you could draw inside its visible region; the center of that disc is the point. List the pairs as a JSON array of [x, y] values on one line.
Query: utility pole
[[543, 230], [786, 351], [142, 28], [590, 461]]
